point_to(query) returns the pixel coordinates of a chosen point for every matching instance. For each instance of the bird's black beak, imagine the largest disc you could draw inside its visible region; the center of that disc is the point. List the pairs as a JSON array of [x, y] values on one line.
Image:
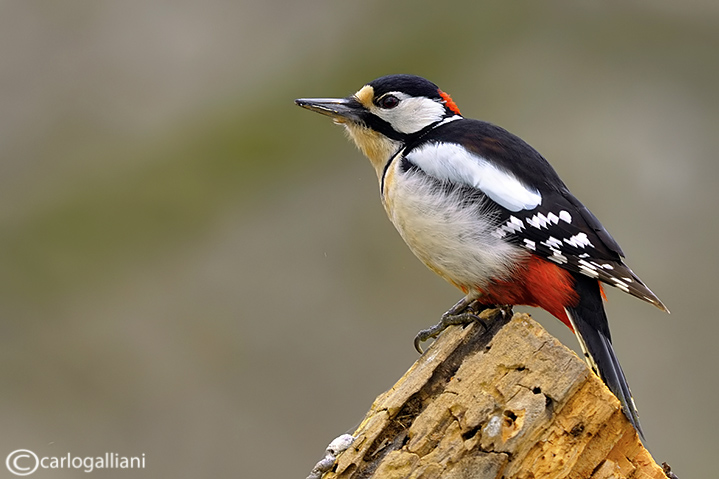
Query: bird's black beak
[[340, 109]]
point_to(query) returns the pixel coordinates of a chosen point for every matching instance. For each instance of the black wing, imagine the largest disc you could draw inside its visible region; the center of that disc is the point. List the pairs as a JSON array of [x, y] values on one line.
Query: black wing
[[568, 234], [560, 229]]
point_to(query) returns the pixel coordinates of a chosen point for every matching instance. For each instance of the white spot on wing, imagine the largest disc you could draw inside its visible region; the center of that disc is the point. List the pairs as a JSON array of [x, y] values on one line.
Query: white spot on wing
[[565, 216], [539, 221], [514, 224], [586, 264], [588, 269], [558, 257], [620, 284], [579, 240], [592, 273], [552, 242], [452, 162]]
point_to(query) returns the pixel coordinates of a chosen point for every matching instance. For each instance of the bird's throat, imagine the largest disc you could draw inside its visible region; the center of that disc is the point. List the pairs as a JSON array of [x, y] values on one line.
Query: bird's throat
[[375, 146]]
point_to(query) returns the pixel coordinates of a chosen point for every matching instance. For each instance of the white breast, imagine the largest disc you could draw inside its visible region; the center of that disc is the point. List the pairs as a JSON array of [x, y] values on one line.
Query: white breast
[[452, 237]]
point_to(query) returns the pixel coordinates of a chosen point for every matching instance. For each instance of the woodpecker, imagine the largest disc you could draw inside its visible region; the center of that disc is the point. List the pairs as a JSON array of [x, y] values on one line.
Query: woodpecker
[[486, 212]]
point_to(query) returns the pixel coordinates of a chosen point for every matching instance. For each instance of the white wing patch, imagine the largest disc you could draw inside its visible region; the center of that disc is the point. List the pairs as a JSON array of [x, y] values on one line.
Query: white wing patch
[[452, 162], [455, 239]]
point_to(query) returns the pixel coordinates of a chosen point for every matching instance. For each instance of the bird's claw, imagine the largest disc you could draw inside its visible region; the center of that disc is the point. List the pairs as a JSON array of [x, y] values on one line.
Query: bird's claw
[[448, 319]]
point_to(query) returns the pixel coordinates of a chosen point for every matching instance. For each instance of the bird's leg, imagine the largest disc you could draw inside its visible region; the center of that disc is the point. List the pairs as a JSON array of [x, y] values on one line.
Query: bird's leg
[[465, 311]]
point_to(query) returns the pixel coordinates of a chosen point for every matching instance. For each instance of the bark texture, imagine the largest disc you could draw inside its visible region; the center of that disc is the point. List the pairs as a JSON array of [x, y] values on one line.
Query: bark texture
[[509, 402]]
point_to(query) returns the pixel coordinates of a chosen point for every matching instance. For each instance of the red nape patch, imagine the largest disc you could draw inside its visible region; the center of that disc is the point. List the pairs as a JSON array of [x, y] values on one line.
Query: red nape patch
[[449, 103]]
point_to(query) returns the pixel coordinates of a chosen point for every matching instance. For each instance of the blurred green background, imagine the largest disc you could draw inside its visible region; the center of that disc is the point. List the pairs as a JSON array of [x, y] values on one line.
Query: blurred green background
[[193, 268]]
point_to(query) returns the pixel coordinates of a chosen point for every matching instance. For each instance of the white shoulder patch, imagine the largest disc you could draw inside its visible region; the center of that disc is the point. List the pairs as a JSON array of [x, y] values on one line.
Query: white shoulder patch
[[452, 162]]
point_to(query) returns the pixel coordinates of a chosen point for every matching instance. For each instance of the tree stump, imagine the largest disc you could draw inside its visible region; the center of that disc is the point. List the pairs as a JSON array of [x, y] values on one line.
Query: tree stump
[[508, 402]]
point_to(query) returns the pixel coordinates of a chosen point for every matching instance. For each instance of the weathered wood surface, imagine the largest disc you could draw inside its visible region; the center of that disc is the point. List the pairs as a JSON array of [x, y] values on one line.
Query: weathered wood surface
[[511, 402]]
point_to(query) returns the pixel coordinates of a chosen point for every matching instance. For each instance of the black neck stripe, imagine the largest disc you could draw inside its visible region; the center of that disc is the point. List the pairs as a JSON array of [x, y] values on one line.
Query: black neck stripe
[[410, 141], [386, 168], [379, 125]]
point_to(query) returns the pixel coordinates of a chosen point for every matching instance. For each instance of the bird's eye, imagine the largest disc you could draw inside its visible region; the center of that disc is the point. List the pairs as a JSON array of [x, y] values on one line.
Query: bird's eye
[[388, 102]]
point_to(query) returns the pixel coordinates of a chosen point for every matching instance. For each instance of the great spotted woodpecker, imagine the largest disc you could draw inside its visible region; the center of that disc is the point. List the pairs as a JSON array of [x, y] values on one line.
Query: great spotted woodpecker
[[484, 210]]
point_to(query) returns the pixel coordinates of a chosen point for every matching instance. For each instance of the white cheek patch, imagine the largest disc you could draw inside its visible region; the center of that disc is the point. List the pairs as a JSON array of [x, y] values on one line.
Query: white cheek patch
[[452, 162], [411, 114]]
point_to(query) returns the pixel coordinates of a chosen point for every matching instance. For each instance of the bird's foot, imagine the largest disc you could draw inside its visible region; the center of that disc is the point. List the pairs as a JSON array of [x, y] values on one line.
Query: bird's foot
[[464, 312]]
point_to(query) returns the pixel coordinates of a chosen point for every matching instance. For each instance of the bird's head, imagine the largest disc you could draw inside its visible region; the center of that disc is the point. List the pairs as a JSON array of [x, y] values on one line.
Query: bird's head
[[387, 113]]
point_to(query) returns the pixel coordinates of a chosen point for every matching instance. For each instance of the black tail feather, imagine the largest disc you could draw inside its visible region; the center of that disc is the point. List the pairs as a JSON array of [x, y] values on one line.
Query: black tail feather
[[592, 329]]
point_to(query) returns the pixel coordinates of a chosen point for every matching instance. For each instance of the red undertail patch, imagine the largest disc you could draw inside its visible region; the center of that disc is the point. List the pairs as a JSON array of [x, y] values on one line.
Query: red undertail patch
[[540, 283], [601, 290]]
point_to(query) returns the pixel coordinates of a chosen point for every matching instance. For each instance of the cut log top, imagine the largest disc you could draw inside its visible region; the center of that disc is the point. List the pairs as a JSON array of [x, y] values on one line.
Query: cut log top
[[510, 402]]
